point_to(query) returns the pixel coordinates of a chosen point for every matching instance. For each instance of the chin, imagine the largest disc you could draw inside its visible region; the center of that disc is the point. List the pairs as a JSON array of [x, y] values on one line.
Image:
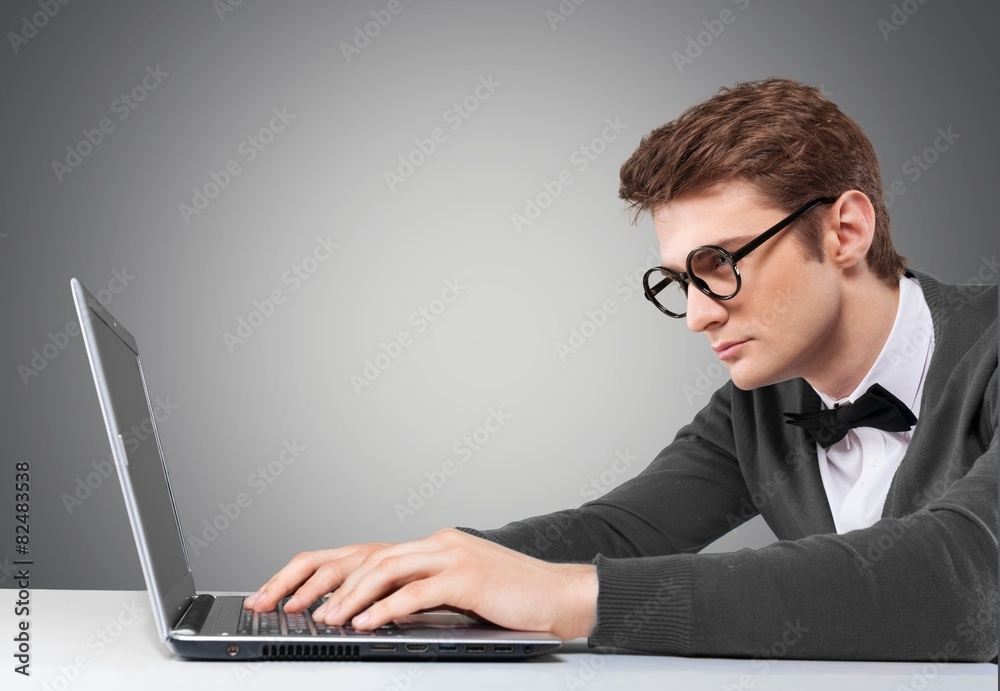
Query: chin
[[744, 384], [746, 379]]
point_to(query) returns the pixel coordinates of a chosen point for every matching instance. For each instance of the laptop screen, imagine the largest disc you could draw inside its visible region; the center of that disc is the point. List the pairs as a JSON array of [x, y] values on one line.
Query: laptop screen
[[164, 562]]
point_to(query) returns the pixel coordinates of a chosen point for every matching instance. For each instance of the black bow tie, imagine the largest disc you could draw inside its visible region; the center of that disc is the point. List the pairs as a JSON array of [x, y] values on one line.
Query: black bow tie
[[875, 408]]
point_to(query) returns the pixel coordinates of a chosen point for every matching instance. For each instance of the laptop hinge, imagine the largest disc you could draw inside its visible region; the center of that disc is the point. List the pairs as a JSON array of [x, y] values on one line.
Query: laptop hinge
[[194, 618]]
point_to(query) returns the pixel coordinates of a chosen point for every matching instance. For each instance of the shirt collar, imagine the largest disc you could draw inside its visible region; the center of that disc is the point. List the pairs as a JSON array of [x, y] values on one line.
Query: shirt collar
[[901, 364]]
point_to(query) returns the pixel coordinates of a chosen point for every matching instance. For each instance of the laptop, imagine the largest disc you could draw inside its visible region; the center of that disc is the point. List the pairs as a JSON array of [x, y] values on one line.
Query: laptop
[[204, 626]]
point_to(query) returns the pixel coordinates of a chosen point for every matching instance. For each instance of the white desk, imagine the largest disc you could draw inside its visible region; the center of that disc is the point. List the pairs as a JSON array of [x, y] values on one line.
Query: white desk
[[105, 640]]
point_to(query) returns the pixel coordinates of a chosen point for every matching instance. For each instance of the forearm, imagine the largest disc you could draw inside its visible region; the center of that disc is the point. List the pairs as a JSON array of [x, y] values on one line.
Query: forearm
[[570, 536]]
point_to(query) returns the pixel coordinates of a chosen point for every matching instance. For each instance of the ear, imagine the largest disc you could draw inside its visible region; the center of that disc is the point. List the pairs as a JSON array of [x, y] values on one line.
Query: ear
[[849, 230]]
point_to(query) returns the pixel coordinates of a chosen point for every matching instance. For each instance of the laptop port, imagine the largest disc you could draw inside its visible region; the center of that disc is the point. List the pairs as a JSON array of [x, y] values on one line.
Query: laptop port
[[417, 647], [503, 648], [448, 647], [382, 647], [475, 648]]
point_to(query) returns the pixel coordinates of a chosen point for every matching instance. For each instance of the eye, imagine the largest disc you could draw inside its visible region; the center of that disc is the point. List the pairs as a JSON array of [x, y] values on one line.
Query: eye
[[720, 262]]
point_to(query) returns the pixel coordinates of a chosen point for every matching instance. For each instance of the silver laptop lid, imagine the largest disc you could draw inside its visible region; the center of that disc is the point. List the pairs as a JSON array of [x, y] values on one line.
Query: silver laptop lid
[[121, 388]]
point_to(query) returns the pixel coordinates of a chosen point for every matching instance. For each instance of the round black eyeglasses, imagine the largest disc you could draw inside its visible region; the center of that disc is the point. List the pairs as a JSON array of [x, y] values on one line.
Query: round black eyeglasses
[[712, 269]]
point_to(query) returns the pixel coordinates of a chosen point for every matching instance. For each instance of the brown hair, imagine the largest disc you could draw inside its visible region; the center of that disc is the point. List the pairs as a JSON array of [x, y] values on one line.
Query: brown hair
[[786, 138]]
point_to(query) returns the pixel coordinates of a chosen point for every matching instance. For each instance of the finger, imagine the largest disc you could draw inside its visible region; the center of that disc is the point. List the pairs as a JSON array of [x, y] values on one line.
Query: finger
[[417, 595], [296, 572], [381, 576], [370, 562], [326, 578], [364, 565]]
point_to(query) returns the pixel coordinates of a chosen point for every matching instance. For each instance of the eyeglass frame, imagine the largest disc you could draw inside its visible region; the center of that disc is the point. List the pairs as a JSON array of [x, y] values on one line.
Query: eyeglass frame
[[686, 278]]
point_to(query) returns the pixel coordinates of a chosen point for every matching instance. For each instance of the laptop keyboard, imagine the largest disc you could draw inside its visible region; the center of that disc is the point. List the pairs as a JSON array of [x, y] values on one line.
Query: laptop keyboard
[[278, 622]]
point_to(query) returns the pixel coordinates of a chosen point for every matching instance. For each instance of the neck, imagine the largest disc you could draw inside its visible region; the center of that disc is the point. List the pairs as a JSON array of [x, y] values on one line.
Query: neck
[[867, 314]]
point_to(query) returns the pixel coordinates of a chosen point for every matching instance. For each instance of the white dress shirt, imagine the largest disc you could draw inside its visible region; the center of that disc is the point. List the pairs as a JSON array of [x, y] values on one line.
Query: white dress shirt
[[858, 469]]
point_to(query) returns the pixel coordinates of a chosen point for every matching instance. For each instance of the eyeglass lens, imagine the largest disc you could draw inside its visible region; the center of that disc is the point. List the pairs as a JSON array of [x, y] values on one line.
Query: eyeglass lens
[[715, 270], [669, 293]]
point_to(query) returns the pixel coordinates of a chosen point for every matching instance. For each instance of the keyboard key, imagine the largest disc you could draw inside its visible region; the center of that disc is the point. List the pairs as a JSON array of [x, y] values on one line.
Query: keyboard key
[[281, 623], [245, 625], [324, 630], [268, 624], [296, 624]]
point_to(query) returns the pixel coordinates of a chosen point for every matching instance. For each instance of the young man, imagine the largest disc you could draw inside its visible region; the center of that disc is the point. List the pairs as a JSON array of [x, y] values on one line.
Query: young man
[[861, 422]]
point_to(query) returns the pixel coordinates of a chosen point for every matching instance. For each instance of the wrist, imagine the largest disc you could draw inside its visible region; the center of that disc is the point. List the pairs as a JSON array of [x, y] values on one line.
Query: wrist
[[577, 613]]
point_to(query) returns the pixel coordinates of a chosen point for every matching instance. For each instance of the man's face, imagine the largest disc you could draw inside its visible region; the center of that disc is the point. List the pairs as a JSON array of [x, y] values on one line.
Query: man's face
[[782, 321]]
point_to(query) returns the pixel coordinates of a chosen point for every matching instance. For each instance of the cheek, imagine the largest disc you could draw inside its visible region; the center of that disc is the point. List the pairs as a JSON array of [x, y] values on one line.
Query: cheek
[[790, 316], [805, 315]]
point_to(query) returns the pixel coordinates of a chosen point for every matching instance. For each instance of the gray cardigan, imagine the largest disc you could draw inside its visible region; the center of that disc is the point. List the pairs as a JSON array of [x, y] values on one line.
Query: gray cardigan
[[920, 584]]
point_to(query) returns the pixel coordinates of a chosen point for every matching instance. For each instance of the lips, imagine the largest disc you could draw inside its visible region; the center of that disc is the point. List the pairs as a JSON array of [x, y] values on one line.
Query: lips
[[728, 349]]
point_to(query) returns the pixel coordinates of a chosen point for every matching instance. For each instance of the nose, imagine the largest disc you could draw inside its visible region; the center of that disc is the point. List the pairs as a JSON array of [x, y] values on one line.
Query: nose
[[704, 312]]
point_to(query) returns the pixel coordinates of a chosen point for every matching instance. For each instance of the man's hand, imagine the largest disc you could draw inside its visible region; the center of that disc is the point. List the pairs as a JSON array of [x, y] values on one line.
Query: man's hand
[[449, 568]]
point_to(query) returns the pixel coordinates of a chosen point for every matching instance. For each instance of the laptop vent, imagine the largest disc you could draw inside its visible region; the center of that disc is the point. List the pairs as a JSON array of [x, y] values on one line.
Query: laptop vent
[[311, 652]]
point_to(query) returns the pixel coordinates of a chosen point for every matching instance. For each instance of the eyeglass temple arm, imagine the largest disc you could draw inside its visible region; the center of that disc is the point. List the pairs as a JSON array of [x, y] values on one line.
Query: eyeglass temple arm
[[771, 232]]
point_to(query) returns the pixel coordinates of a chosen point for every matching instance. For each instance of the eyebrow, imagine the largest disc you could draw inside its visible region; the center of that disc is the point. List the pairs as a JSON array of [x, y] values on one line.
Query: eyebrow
[[734, 243]]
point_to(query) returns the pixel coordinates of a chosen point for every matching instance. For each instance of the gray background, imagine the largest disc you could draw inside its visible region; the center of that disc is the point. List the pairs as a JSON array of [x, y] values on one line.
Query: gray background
[[628, 389]]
